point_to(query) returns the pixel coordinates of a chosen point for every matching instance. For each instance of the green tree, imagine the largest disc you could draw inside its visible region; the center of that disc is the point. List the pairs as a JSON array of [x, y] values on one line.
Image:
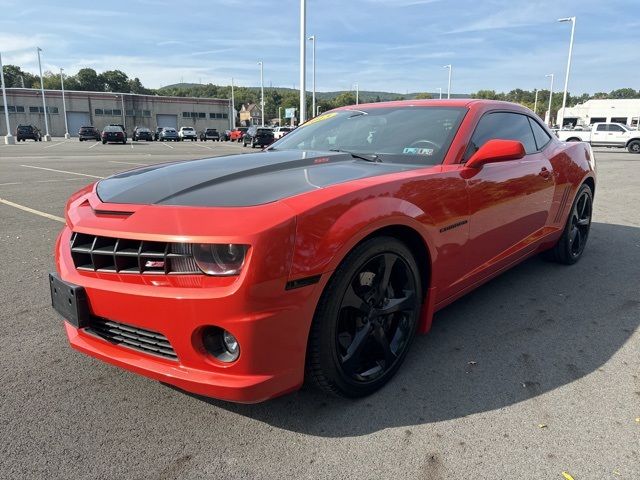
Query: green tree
[[14, 76], [423, 96], [114, 81], [88, 80], [624, 93]]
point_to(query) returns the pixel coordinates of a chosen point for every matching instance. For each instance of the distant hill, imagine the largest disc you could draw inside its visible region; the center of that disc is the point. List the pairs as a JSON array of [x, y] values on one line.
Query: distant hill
[[365, 95]]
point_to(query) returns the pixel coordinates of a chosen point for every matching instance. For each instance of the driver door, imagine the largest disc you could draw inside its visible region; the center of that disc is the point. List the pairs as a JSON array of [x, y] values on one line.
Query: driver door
[[509, 201]]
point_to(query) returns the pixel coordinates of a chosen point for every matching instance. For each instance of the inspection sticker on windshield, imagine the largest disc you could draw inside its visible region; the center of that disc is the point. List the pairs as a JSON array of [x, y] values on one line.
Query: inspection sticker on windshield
[[418, 151], [319, 119]]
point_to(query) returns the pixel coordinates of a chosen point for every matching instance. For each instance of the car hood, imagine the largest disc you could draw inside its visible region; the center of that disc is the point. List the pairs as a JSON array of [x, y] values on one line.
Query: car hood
[[238, 180]]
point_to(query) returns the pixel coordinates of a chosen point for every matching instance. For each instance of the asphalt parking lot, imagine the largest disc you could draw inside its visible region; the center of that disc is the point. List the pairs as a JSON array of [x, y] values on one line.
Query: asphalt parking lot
[[533, 374]]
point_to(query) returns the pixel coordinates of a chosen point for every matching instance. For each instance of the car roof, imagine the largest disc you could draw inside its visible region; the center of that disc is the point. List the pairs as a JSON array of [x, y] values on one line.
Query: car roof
[[455, 102]]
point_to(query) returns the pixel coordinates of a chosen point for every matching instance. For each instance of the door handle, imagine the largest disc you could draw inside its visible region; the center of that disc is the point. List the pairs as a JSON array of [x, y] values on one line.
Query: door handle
[[544, 173]]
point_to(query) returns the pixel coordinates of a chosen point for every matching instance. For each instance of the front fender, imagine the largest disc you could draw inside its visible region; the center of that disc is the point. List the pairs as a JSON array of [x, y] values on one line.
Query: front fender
[[327, 233]]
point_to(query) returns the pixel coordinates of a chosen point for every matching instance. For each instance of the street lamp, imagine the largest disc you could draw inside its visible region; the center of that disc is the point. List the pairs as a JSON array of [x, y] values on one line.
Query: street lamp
[[303, 61], [47, 137], [279, 116], [357, 87], [449, 84], [261, 91], [312, 38], [550, 98], [64, 104], [566, 78], [535, 103], [440, 92], [8, 139], [233, 108]]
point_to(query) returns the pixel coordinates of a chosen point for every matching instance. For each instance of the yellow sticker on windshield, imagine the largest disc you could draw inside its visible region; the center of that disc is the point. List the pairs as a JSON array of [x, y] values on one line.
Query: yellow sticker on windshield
[[326, 116]]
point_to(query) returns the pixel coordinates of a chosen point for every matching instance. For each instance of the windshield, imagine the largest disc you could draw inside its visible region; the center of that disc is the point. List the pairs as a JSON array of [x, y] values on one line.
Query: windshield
[[396, 134]]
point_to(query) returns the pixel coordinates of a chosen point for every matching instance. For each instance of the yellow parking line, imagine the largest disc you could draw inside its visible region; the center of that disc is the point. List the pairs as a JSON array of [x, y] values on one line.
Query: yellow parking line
[[31, 210], [61, 171]]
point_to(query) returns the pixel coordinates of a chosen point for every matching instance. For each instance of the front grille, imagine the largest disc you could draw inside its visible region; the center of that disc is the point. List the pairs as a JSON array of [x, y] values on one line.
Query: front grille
[[132, 337], [119, 255]]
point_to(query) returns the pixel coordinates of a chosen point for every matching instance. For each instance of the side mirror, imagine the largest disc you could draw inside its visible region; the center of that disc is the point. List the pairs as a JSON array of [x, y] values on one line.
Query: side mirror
[[496, 151]]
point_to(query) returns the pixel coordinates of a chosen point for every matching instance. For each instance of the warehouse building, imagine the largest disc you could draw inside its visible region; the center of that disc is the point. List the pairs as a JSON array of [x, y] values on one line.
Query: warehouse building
[[102, 108], [625, 111]]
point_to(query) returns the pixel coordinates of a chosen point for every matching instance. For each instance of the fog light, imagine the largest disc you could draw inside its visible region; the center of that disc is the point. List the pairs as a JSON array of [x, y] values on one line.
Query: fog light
[[221, 344]]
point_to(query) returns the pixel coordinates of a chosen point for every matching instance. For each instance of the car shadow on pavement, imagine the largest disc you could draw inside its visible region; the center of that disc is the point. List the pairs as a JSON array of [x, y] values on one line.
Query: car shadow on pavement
[[533, 329]]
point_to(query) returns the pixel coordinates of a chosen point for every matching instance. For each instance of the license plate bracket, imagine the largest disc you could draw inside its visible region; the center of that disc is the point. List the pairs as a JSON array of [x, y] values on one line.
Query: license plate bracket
[[69, 300]]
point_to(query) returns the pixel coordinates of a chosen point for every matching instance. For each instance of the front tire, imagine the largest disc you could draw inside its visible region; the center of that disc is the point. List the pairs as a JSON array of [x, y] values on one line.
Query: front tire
[[634, 146], [571, 244], [365, 320]]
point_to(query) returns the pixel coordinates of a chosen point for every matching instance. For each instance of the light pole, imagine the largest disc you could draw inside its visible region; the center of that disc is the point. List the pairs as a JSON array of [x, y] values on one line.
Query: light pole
[[303, 61], [440, 92], [550, 98], [279, 116], [566, 78], [449, 84], [8, 139], [47, 137], [317, 110], [535, 103], [357, 93], [312, 38], [261, 91], [124, 122], [233, 108], [64, 104]]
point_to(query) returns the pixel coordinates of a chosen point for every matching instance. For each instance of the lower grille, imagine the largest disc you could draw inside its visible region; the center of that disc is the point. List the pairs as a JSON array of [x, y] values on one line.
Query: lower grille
[[132, 337]]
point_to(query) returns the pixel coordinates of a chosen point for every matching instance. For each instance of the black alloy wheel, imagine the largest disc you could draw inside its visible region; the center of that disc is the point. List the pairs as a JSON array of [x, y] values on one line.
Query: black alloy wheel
[[571, 244], [634, 146], [366, 319]]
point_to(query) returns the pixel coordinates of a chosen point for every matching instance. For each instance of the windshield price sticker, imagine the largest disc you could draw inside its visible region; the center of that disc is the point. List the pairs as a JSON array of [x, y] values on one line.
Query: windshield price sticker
[[418, 151], [319, 119]]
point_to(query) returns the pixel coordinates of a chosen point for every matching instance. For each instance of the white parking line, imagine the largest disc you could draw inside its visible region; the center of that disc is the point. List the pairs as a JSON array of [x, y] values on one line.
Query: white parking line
[[202, 146], [94, 145], [130, 163], [31, 210], [165, 145], [61, 171], [41, 181], [55, 145]]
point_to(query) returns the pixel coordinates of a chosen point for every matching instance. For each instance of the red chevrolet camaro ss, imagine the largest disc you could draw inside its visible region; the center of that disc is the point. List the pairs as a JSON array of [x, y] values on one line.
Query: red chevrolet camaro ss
[[320, 257]]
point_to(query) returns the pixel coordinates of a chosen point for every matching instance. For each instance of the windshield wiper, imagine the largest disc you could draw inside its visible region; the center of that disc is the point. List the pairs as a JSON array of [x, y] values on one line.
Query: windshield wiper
[[369, 157]]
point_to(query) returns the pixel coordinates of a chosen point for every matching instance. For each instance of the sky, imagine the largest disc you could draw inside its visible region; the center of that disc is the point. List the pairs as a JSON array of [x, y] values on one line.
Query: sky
[[387, 45]]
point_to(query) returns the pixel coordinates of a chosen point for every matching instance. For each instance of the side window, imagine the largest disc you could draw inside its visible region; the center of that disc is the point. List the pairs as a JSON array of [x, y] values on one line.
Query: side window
[[540, 134], [503, 126], [603, 127], [616, 128]]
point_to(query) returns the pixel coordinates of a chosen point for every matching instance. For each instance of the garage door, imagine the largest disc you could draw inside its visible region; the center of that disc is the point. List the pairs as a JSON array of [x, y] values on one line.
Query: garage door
[[167, 121], [75, 120]]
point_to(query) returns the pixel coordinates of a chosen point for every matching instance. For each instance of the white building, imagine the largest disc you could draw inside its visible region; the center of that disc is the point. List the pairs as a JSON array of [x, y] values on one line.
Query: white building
[[625, 111]]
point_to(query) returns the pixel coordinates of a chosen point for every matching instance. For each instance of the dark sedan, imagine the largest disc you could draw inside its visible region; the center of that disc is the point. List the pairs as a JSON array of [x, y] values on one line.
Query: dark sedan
[[210, 134], [88, 133], [169, 134], [258, 137], [28, 132], [113, 133], [142, 133]]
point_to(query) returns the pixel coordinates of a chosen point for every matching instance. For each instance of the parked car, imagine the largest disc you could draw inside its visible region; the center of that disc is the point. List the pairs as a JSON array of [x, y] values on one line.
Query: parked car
[[28, 132], [324, 256], [156, 134], [88, 133], [169, 134], [258, 137], [210, 134], [142, 133], [124, 130], [224, 135], [188, 133], [113, 133], [237, 134], [604, 134], [280, 132]]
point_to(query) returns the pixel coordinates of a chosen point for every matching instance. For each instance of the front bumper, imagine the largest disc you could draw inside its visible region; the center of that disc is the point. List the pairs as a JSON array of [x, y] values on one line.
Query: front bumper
[[270, 323]]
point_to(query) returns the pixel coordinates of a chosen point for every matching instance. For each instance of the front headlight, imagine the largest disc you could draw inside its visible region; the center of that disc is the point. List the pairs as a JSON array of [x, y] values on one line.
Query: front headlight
[[220, 259]]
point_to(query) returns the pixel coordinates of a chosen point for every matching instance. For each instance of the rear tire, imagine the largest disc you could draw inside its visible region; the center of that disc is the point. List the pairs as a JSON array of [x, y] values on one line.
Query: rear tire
[[572, 243], [354, 346], [634, 146], [573, 139]]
